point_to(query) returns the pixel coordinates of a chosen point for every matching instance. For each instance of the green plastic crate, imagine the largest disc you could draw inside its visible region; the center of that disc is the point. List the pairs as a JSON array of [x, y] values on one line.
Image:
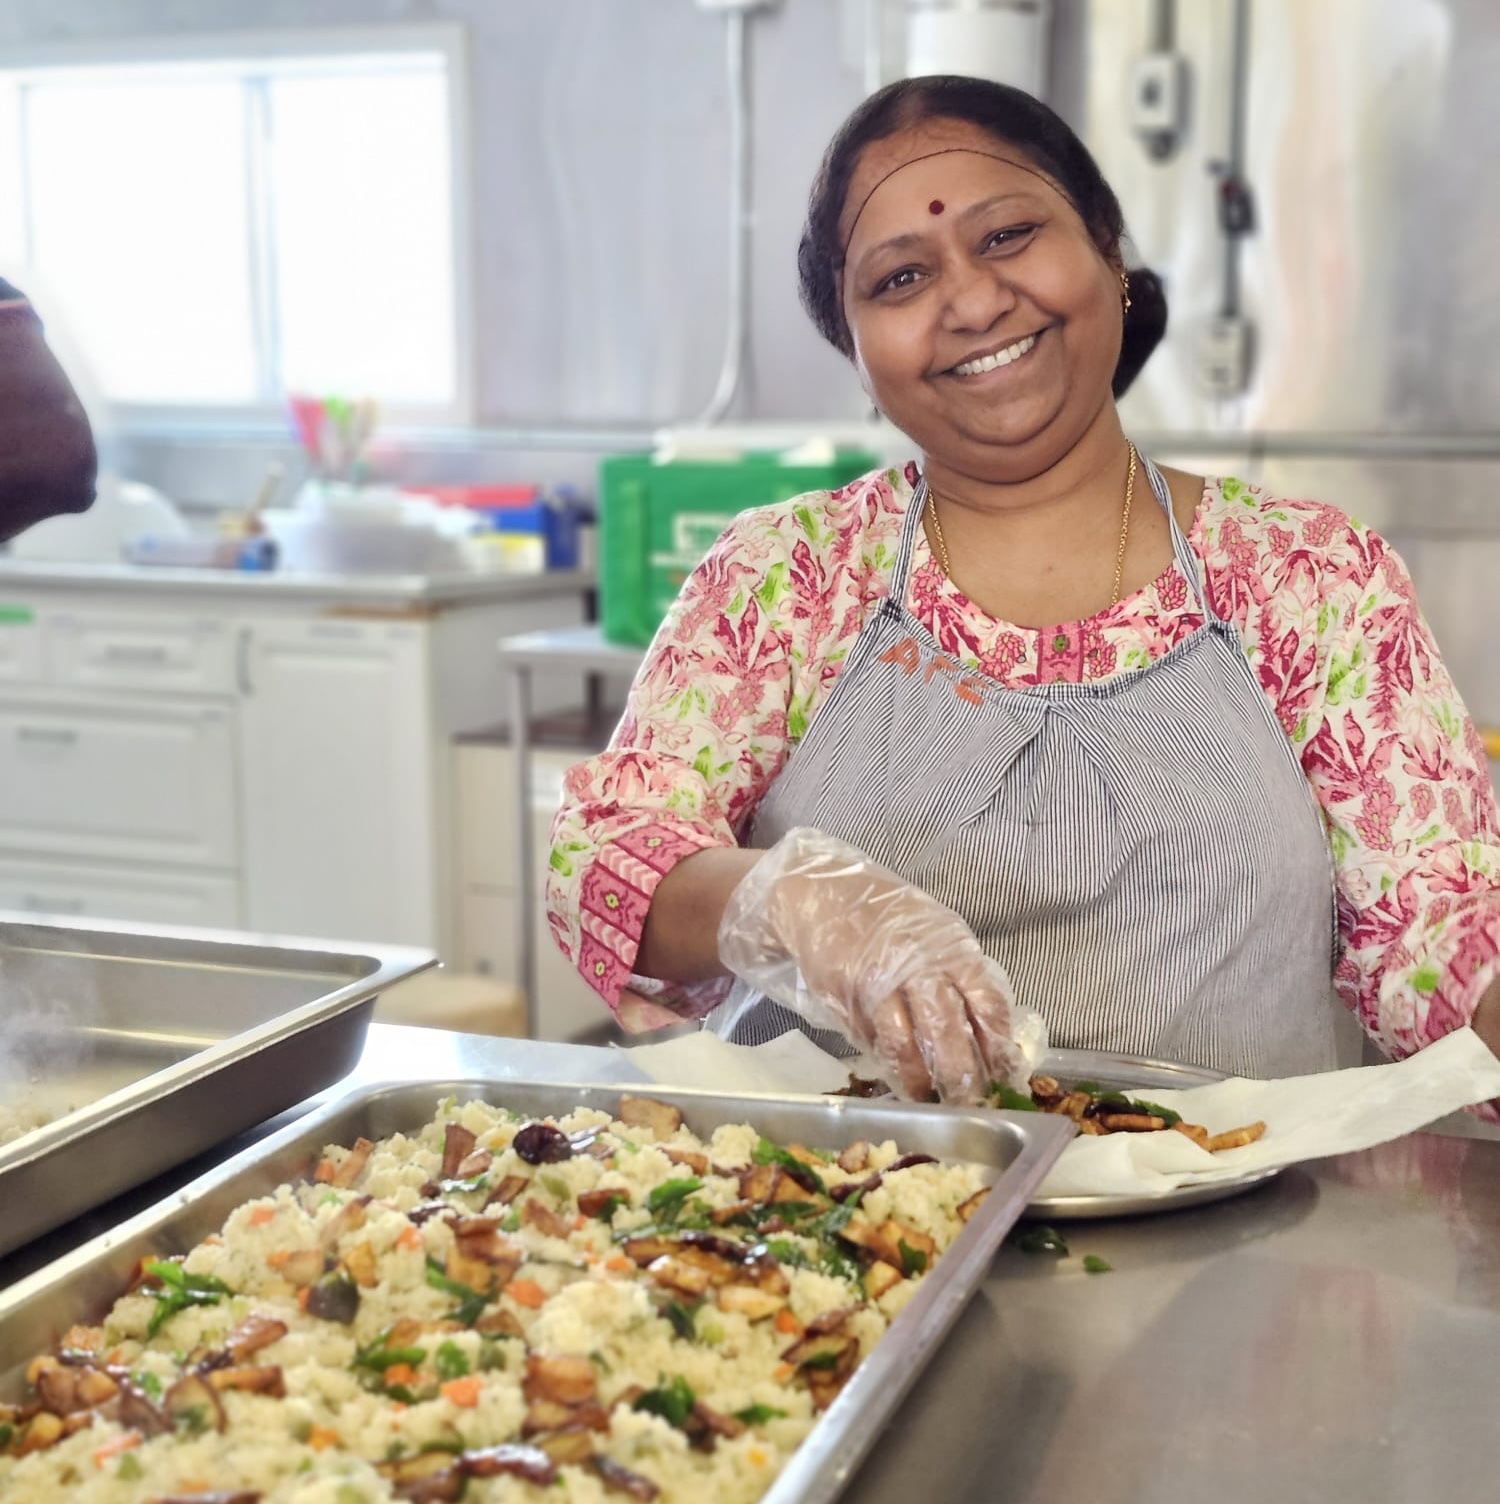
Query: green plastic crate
[[656, 522]]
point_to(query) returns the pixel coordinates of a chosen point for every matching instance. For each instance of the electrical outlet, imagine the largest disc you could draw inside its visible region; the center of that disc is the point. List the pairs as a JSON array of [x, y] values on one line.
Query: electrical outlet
[[1158, 94], [1224, 354]]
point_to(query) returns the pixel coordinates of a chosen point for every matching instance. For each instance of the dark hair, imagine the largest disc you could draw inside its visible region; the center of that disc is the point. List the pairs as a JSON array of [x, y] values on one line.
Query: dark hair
[[1011, 116]]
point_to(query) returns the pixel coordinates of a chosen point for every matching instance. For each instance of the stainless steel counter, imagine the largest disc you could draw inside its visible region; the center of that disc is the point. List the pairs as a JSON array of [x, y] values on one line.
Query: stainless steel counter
[[407, 589], [1334, 1335]]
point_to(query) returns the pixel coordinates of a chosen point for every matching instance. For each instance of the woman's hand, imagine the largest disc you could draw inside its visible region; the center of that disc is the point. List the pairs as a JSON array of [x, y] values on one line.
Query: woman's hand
[[847, 944]]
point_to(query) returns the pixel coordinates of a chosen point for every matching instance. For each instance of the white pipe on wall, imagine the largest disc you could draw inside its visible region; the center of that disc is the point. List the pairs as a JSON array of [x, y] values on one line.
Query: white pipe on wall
[[735, 351]]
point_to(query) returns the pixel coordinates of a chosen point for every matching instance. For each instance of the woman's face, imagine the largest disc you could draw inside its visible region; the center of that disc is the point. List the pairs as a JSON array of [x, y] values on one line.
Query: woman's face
[[961, 257]]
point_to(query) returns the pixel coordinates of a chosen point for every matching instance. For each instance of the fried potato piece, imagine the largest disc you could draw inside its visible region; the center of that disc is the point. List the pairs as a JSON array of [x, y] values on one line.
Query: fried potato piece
[[1131, 1122], [458, 1144], [1195, 1131], [646, 1112], [354, 1163], [1236, 1138], [856, 1157]]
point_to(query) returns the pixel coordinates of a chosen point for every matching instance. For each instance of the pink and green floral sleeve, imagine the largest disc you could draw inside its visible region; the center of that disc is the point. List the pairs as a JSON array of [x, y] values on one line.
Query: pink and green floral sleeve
[[704, 733], [1405, 790]]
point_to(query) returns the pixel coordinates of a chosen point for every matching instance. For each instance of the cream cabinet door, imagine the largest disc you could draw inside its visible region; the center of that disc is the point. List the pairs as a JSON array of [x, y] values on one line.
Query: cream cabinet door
[[335, 738]]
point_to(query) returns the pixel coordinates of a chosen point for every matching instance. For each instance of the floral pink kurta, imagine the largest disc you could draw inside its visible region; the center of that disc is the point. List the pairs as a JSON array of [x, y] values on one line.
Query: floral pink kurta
[[1326, 612]]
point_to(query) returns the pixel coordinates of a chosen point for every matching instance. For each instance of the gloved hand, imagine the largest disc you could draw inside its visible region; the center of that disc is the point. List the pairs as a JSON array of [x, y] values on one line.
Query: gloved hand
[[846, 944]]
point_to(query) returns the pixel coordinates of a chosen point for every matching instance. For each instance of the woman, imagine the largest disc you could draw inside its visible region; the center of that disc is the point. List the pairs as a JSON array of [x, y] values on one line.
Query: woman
[[1173, 752]]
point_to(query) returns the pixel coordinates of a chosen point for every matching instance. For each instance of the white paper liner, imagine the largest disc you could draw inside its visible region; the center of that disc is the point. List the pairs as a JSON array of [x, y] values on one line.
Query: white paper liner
[[1306, 1117]]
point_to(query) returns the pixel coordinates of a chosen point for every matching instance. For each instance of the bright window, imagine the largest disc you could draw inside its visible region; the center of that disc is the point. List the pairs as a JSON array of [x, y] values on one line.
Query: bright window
[[220, 230]]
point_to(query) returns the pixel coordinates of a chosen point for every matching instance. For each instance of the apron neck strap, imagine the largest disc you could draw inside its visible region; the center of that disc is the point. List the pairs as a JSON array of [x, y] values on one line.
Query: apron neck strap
[[912, 522], [1182, 550], [1187, 560]]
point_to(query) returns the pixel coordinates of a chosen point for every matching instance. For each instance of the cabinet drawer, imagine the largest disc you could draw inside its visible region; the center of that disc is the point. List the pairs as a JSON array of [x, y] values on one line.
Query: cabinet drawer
[[22, 659], [137, 895], [120, 650], [146, 781]]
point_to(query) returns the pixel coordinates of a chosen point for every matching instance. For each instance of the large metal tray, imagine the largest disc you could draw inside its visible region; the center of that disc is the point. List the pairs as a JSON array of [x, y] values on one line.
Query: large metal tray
[[1015, 1148], [149, 1046]]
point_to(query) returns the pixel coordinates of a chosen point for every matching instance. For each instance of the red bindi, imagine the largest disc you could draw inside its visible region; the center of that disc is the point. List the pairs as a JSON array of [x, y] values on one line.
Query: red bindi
[[935, 207]]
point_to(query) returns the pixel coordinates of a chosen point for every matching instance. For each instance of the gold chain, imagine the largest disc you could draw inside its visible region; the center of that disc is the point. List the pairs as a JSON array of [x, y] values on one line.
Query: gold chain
[[942, 543]]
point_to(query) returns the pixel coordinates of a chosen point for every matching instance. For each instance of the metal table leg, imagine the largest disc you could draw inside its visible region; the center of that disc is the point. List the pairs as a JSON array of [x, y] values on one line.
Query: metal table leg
[[520, 744]]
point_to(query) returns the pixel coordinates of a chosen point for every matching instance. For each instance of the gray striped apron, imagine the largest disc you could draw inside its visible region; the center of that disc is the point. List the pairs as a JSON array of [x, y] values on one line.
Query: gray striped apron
[[1143, 855]]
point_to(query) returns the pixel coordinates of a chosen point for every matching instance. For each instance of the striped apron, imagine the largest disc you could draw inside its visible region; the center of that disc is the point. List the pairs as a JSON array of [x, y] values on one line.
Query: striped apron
[[1144, 855]]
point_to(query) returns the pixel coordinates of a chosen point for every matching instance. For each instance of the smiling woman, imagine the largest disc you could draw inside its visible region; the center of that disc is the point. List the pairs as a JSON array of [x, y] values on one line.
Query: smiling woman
[[1167, 758]]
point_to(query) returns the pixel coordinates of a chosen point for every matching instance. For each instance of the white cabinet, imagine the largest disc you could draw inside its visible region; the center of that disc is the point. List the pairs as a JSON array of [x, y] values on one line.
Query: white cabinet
[[266, 754], [22, 657], [135, 779], [566, 1006], [151, 896], [336, 737]]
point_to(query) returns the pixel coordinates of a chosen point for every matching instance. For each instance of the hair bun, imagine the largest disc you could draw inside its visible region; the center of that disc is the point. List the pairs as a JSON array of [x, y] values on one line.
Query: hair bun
[[1145, 325]]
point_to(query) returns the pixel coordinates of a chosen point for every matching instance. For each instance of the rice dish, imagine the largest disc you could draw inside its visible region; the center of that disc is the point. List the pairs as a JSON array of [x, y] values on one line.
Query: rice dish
[[577, 1308], [19, 1119]]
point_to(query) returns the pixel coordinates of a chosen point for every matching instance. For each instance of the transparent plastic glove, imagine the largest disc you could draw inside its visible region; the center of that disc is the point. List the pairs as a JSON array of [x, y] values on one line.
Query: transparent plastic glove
[[848, 945]]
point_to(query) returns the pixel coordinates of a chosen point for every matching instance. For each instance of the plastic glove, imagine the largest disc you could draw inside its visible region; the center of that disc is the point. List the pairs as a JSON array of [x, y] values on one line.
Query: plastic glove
[[846, 944]]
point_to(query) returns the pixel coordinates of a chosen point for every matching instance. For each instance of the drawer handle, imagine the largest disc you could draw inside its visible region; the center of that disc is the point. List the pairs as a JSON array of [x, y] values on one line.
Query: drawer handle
[[39, 903], [47, 736], [126, 652]]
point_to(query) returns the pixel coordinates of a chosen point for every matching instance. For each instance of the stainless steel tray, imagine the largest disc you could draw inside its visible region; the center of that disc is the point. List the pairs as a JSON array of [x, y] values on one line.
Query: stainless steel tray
[[1016, 1147], [149, 1046], [1136, 1073]]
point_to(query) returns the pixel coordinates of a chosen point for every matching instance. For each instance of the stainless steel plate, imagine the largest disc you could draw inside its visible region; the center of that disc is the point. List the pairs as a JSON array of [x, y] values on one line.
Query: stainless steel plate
[[146, 1047], [1015, 1149], [1136, 1073]]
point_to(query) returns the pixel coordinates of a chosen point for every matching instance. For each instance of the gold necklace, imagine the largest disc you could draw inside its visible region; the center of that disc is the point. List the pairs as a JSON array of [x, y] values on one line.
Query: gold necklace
[[937, 529]]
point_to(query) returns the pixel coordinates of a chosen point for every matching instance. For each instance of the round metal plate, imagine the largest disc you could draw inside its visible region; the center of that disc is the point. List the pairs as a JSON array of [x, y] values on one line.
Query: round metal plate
[[1136, 1073]]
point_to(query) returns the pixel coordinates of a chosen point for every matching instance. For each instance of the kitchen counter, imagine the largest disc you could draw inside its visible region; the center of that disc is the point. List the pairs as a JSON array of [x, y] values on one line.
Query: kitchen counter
[[1331, 1336], [343, 589]]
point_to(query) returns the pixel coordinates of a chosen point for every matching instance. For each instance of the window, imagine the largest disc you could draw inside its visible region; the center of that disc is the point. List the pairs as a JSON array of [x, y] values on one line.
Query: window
[[219, 230]]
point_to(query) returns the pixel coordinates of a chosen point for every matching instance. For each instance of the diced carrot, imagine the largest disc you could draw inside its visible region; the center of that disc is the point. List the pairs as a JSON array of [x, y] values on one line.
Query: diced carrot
[[85, 1338], [117, 1355], [526, 1292], [325, 1172], [783, 1371], [278, 1257], [213, 1240], [463, 1391], [320, 1438], [618, 1264], [578, 1223], [115, 1445], [787, 1323], [400, 1374], [409, 1237], [260, 1215], [303, 1296]]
